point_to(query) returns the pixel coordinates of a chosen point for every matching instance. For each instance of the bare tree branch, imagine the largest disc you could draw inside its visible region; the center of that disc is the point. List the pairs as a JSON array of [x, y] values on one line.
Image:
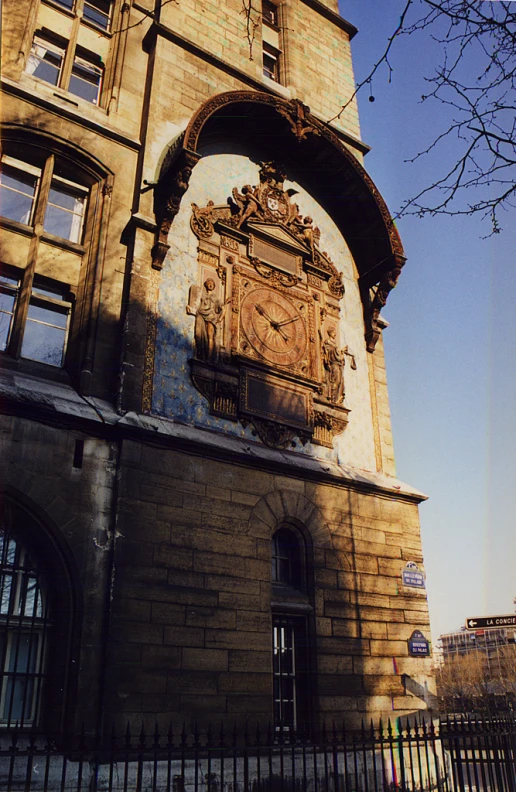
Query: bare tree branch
[[384, 59], [146, 15], [475, 81]]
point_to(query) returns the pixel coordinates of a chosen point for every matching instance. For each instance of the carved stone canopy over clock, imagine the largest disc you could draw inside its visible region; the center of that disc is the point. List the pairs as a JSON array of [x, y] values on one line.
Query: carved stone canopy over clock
[[266, 314]]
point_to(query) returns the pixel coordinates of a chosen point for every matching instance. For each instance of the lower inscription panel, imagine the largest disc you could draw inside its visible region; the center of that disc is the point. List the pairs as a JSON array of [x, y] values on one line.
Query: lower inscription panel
[[267, 397]]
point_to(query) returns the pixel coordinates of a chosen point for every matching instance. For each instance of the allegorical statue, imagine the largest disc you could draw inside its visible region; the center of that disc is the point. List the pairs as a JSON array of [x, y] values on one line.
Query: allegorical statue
[[334, 360], [209, 312]]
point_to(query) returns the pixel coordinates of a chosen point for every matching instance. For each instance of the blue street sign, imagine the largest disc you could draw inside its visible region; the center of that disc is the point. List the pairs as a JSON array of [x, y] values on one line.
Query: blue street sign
[[418, 644], [412, 576]]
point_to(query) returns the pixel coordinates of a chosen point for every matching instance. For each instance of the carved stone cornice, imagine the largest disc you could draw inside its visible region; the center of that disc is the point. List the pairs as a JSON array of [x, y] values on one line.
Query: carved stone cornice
[[328, 423], [219, 386], [167, 200], [275, 435], [377, 299]]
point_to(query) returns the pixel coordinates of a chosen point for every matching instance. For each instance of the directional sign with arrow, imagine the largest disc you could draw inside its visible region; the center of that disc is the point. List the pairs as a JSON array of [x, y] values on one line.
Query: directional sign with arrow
[[486, 622]]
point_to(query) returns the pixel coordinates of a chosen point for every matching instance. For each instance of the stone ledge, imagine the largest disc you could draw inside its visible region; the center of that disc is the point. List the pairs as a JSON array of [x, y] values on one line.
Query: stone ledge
[[42, 400]]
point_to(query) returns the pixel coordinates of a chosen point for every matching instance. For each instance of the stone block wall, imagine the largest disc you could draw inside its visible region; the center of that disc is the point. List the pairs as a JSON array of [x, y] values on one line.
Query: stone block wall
[[74, 506], [191, 623]]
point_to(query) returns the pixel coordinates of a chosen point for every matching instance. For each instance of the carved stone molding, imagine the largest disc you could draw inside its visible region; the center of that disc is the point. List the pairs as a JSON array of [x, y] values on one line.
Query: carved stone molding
[[378, 300], [219, 388], [274, 435], [272, 275], [167, 200], [329, 424], [298, 116]]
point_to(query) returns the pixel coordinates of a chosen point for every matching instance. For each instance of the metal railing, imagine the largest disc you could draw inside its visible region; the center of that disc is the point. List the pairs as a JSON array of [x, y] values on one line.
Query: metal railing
[[455, 755]]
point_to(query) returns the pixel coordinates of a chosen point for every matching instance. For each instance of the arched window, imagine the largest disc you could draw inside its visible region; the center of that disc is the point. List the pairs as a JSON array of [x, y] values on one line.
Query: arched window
[[39, 621], [24, 626], [287, 569], [290, 630]]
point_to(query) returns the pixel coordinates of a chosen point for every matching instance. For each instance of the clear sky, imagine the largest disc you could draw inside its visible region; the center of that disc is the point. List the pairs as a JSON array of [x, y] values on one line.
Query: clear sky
[[451, 357]]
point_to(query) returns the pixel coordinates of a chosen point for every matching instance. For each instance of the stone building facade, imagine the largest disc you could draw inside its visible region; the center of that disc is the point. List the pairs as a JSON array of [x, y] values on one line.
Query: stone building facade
[[193, 388]]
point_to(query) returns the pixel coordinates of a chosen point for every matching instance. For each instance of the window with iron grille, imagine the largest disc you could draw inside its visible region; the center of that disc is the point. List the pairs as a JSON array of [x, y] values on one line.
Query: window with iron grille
[[290, 631], [24, 627]]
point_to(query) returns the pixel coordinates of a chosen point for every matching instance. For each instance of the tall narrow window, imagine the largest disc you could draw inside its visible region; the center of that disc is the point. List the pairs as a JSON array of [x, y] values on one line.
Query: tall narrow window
[[24, 626], [270, 62], [86, 78], [290, 630], [286, 559], [284, 670], [271, 45], [269, 13], [8, 295]]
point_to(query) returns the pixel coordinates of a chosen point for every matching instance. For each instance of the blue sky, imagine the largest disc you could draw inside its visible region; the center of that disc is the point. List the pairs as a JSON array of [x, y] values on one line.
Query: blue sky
[[451, 360]]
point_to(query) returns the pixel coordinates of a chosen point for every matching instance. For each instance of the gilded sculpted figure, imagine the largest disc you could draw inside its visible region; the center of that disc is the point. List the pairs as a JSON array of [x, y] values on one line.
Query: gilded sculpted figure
[[247, 202], [334, 360], [208, 312]]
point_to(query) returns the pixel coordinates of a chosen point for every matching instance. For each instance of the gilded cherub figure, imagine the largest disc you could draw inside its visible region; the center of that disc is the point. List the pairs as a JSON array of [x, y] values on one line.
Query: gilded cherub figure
[[248, 203]]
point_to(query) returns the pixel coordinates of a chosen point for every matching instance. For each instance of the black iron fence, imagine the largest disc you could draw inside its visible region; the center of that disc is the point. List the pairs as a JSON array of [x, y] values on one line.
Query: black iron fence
[[455, 755]]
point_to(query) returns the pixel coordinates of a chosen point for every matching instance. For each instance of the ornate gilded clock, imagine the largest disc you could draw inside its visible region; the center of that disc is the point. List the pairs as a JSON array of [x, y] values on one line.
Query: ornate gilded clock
[[274, 325], [266, 308]]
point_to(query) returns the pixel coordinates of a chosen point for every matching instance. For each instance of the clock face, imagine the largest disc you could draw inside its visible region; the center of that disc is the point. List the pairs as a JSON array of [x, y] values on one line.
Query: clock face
[[275, 326]]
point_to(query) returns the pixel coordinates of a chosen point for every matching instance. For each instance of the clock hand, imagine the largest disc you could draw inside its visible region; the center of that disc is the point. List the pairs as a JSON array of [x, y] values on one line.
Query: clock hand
[[265, 315], [278, 329], [275, 325], [288, 321]]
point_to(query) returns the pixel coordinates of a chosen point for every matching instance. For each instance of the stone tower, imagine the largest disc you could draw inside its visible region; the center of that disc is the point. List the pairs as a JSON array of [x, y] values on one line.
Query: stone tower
[[196, 444]]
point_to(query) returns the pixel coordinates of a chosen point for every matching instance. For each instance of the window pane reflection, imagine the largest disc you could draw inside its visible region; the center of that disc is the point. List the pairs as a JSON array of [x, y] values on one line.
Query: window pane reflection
[[45, 61], [98, 12], [17, 190], [85, 80], [64, 213], [43, 343], [8, 291]]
